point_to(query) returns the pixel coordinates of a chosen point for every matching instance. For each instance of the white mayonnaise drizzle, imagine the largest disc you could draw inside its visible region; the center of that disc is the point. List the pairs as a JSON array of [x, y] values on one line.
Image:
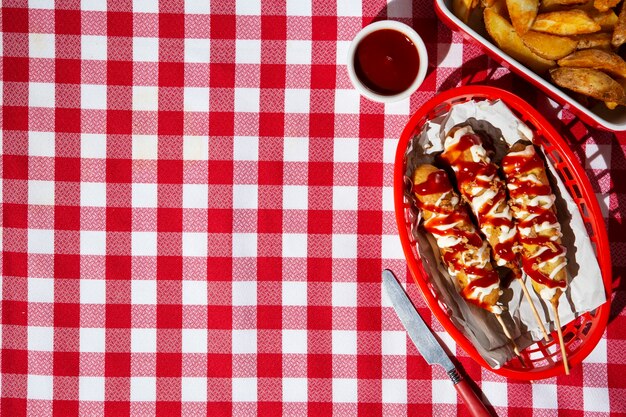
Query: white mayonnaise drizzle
[[531, 216], [443, 227], [532, 178], [547, 293], [454, 139], [527, 152], [441, 198], [547, 226], [505, 213], [507, 234], [540, 251], [557, 259], [480, 200], [447, 241], [538, 228], [481, 257], [547, 200], [480, 293], [557, 269], [478, 153]]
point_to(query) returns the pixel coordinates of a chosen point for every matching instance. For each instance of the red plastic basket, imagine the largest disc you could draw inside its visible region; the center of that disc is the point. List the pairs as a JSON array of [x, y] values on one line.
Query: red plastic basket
[[581, 336]]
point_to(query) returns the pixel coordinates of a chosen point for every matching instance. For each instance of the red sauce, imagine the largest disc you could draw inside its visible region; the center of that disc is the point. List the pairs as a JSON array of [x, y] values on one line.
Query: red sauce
[[516, 167], [438, 183], [386, 61], [539, 277], [471, 238], [487, 280], [528, 188], [521, 163], [467, 174]]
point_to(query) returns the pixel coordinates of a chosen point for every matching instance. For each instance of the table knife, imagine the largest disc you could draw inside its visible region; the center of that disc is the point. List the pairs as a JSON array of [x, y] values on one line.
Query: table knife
[[427, 345]]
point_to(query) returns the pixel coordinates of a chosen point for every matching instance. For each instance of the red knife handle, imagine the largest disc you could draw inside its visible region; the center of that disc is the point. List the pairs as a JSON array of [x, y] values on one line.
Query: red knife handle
[[471, 400]]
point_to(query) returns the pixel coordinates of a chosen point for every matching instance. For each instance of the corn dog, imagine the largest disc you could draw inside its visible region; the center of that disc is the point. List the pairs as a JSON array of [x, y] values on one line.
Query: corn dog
[[485, 192], [462, 249], [532, 203], [479, 184]]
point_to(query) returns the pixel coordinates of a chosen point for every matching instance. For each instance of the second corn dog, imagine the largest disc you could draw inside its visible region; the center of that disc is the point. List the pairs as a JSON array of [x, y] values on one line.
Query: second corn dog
[[485, 192]]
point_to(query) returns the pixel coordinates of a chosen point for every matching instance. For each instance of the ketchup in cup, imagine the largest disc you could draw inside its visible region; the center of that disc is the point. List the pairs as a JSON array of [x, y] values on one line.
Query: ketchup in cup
[[387, 61]]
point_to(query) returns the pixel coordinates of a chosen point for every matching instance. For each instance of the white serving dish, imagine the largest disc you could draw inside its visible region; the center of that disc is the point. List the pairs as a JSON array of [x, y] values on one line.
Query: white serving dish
[[597, 116]]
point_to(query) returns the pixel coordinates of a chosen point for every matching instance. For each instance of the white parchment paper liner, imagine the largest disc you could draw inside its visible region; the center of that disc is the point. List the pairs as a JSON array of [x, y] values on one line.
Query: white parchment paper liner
[[585, 291]]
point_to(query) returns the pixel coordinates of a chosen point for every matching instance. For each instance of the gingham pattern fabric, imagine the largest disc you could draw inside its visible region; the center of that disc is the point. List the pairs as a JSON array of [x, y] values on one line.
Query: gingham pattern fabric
[[197, 206]]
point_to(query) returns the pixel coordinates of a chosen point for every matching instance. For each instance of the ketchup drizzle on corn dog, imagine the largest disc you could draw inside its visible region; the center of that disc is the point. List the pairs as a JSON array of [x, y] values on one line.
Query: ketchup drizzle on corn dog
[[438, 182], [480, 176], [524, 186]]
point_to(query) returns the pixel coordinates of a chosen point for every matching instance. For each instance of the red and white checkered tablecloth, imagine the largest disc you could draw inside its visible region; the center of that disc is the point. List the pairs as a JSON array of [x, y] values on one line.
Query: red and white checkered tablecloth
[[197, 206]]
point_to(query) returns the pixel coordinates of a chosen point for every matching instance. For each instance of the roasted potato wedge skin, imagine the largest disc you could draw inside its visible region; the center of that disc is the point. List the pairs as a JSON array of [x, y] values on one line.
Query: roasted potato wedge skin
[[499, 7], [553, 5], [565, 22], [619, 33], [549, 46], [598, 40], [598, 59], [510, 42], [590, 82], [607, 20], [463, 8], [604, 5], [522, 13]]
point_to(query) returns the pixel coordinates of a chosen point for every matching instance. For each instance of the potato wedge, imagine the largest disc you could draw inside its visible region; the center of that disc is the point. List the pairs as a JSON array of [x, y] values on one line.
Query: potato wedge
[[606, 61], [499, 6], [566, 22], [590, 82], [586, 6], [619, 33], [475, 20], [598, 40], [607, 20], [611, 104], [522, 14], [463, 8], [549, 46], [552, 5], [510, 42], [604, 5]]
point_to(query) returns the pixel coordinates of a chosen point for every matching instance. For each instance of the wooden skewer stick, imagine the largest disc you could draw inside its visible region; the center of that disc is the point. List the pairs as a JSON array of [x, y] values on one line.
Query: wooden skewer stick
[[534, 309], [508, 335], [557, 321]]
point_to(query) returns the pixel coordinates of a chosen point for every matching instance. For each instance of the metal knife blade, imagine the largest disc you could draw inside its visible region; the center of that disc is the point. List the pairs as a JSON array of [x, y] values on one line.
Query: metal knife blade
[[420, 334], [428, 346]]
